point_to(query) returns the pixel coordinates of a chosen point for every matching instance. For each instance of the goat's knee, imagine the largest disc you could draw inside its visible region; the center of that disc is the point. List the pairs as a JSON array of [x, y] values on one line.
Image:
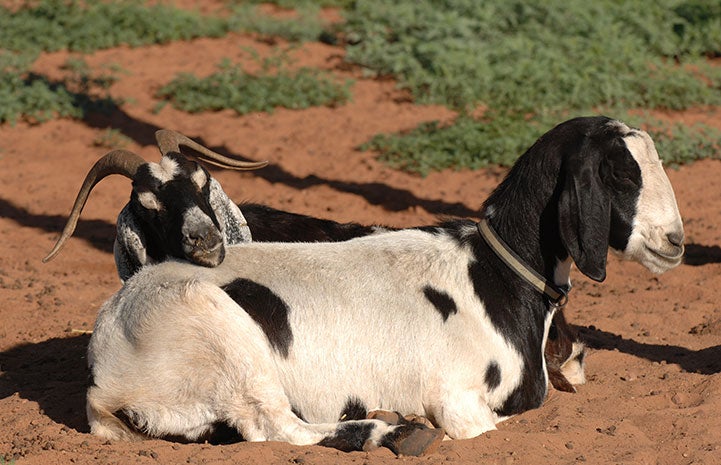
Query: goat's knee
[[465, 415], [103, 421]]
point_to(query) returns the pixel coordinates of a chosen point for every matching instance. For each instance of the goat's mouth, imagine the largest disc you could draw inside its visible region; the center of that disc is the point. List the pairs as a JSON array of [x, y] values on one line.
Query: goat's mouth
[[667, 258], [208, 257], [675, 255]]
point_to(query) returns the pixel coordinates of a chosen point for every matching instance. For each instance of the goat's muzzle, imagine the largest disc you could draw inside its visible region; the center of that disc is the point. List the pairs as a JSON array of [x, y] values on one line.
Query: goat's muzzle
[[204, 248], [201, 239]]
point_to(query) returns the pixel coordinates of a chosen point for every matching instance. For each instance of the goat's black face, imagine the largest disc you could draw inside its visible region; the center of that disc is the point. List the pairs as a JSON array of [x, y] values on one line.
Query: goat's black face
[[172, 200], [616, 194]]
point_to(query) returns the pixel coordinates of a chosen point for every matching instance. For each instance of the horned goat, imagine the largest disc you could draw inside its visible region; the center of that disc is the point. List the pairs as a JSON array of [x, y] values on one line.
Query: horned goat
[[176, 208], [448, 321], [144, 236]]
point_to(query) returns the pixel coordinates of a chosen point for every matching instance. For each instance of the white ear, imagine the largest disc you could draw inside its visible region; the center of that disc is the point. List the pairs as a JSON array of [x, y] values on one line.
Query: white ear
[[129, 249], [232, 222]]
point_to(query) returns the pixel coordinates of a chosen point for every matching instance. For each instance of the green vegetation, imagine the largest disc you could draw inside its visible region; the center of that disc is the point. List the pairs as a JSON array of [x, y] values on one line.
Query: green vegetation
[[231, 87], [112, 139], [296, 4], [528, 65], [35, 98], [305, 26], [89, 25], [469, 143], [532, 65]]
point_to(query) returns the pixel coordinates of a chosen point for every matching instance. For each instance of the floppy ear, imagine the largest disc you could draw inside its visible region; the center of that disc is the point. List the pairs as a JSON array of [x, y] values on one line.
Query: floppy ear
[[130, 249], [584, 213], [232, 222]]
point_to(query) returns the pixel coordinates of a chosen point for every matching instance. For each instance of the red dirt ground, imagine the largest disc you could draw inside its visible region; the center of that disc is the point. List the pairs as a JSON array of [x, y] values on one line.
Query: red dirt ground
[[654, 390]]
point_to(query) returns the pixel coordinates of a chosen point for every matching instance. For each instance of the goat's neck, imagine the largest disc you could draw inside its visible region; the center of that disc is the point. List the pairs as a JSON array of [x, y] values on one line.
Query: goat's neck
[[523, 211]]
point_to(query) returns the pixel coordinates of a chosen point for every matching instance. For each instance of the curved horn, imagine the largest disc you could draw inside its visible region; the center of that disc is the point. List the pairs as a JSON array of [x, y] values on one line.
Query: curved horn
[[170, 141], [115, 162]]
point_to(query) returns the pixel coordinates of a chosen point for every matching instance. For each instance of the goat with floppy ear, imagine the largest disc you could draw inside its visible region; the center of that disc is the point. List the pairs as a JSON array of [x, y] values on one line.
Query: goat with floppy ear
[[176, 208], [148, 234], [465, 309]]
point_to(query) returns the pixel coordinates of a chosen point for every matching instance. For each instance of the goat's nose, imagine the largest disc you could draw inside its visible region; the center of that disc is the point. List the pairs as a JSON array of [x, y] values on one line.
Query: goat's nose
[[676, 238]]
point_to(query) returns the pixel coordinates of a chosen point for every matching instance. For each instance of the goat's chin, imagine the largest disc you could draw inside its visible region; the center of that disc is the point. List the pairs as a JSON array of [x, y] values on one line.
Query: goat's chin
[[657, 259], [207, 259]]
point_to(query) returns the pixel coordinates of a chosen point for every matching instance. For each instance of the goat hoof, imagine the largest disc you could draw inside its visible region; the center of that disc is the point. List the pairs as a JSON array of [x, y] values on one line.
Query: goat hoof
[[392, 418], [413, 418], [420, 441]]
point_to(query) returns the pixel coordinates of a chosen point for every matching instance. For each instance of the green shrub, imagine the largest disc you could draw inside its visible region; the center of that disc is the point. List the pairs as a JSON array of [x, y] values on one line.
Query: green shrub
[[307, 26], [35, 98], [501, 139], [531, 64], [90, 25], [233, 88]]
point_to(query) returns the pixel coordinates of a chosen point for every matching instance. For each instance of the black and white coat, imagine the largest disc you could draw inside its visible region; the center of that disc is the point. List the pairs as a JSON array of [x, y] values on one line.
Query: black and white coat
[[280, 340]]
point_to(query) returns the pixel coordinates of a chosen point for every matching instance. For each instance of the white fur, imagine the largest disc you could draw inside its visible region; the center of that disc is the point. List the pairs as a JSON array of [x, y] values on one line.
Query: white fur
[[188, 355], [150, 201], [573, 367], [199, 178], [179, 354], [164, 171], [657, 213]]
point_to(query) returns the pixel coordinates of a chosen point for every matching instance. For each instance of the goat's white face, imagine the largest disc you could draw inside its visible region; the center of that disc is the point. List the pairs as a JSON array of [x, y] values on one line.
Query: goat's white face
[[656, 239]]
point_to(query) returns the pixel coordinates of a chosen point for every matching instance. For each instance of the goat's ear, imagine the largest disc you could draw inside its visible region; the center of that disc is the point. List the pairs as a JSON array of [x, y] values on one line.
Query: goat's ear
[[130, 249], [584, 213], [232, 222]]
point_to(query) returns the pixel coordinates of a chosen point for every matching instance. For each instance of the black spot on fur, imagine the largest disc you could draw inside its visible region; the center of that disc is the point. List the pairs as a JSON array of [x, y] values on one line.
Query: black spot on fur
[[493, 375], [349, 436], [354, 409], [270, 225], [621, 173], [266, 309], [443, 302]]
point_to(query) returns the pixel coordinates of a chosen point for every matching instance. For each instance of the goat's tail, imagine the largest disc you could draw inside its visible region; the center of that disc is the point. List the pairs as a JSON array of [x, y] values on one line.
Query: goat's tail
[[104, 423]]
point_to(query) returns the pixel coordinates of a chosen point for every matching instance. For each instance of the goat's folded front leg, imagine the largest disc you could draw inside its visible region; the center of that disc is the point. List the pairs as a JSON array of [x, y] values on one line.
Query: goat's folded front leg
[[464, 414]]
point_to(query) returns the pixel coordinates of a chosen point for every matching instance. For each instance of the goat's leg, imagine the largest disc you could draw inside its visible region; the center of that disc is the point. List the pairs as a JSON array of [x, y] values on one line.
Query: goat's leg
[[266, 415], [464, 414]]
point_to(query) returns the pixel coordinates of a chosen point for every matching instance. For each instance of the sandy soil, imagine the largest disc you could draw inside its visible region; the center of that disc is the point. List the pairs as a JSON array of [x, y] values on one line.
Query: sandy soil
[[654, 390]]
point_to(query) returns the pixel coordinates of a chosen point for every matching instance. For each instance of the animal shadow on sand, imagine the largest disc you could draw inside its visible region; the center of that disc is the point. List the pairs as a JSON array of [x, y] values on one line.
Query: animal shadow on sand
[[699, 255], [704, 361], [97, 233], [52, 373], [388, 197]]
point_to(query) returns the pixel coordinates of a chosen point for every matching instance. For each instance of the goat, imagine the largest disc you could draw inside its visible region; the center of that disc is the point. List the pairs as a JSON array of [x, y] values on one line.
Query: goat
[[277, 340], [144, 236], [176, 208], [565, 352]]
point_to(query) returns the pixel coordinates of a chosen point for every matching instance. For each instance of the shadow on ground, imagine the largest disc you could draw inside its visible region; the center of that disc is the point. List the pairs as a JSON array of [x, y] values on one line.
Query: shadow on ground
[[704, 361], [52, 373]]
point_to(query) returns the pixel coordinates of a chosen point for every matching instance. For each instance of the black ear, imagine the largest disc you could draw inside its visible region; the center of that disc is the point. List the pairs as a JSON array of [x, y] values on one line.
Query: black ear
[[584, 212]]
